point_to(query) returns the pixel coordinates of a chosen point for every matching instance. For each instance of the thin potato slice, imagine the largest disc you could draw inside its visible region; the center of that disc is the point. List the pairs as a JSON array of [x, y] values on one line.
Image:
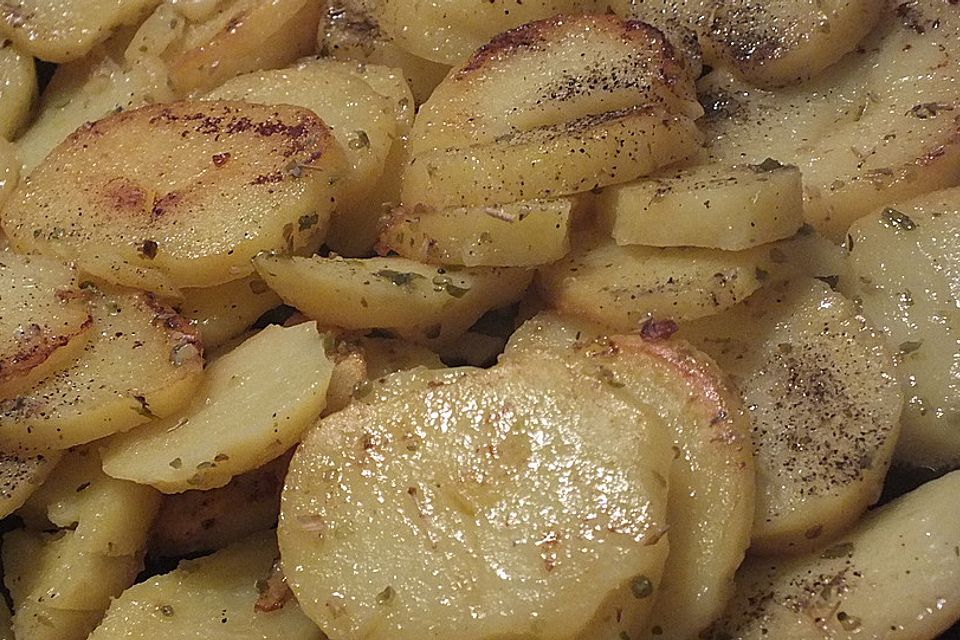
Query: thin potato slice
[[823, 405], [18, 89], [223, 181], [225, 311], [622, 287], [44, 320], [714, 206], [480, 509], [903, 271], [252, 406], [551, 161], [422, 302], [211, 598], [21, 477], [896, 575], [521, 234], [143, 361]]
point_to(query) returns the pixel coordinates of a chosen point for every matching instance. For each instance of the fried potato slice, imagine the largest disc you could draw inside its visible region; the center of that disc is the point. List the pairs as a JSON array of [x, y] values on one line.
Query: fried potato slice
[[522, 234], [714, 206], [44, 322], [903, 271], [143, 361], [18, 90], [20, 477], [225, 311], [881, 125], [9, 172], [528, 478], [211, 598], [384, 356], [902, 556], [252, 406], [823, 403], [224, 181]]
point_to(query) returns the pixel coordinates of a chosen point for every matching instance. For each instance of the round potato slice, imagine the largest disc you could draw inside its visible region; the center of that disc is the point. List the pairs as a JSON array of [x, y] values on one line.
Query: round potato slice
[[523, 500], [222, 181], [225, 311], [44, 319], [20, 477], [144, 361]]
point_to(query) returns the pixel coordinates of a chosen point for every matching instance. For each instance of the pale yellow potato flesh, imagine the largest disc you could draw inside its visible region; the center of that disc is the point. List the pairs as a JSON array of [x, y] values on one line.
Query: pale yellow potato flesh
[[383, 356], [9, 171], [879, 125], [823, 404], [224, 181], [18, 89], [223, 312], [20, 477], [254, 404], [903, 271], [895, 575], [522, 234], [45, 319], [211, 598], [66, 30], [713, 206], [521, 500], [142, 361]]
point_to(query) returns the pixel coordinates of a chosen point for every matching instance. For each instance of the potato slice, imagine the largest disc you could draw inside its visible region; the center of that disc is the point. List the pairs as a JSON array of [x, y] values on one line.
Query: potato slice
[[18, 91], [225, 311], [551, 161], [422, 302], [622, 287], [231, 179], [144, 361], [498, 498], [823, 406], [20, 477], [9, 173], [384, 356], [6, 630], [711, 502], [902, 557], [903, 272], [36, 622], [65, 31], [252, 406], [551, 72], [211, 598], [521, 234], [870, 130], [44, 322], [714, 206]]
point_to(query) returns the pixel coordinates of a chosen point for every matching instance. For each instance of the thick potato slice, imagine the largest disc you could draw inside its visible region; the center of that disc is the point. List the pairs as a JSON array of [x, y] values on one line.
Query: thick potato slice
[[903, 271], [143, 361], [823, 405], [497, 499], [880, 125], [622, 287], [896, 575], [711, 503], [227, 180], [225, 311], [67, 30], [521, 234], [422, 302], [44, 320], [551, 161], [714, 206], [551, 72], [21, 477], [211, 598], [18, 90], [252, 406]]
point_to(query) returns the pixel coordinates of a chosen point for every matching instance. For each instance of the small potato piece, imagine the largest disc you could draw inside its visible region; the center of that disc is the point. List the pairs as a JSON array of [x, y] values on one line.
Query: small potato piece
[[529, 480], [142, 362], [224, 181], [622, 287], [551, 161], [21, 477], [66, 30], [896, 576], [18, 89], [903, 271], [714, 206], [823, 405], [225, 311], [211, 598], [423, 302], [252, 406], [521, 234], [44, 320], [384, 356]]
